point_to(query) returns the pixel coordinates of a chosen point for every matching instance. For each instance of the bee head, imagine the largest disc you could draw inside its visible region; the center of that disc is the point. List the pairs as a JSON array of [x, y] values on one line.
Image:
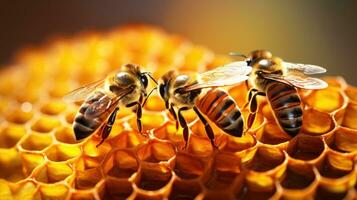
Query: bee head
[[262, 61], [164, 84], [257, 55]]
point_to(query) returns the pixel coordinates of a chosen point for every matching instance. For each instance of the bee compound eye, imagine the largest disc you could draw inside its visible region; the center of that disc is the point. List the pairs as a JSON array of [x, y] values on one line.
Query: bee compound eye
[[144, 80], [162, 90]]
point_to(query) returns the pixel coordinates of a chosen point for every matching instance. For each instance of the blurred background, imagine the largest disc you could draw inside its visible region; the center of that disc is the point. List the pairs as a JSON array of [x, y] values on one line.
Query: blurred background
[[315, 32]]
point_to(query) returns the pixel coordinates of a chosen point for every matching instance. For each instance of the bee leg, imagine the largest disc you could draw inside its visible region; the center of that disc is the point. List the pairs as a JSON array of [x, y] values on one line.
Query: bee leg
[[107, 128], [183, 124], [138, 114], [173, 113], [253, 109], [250, 94], [208, 128]]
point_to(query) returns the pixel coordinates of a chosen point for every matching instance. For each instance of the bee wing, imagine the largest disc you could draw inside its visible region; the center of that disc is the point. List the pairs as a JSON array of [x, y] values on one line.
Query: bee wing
[[229, 74], [105, 103], [83, 92], [304, 68], [299, 81]]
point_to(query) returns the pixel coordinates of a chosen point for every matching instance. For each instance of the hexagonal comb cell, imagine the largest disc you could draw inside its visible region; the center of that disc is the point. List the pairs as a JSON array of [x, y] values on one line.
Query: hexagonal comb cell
[[41, 159], [225, 169], [317, 123], [306, 148], [45, 124], [188, 166], [62, 152], [65, 134], [11, 166], [299, 182], [121, 164], [53, 107], [56, 191], [184, 190], [156, 151], [19, 116], [10, 134], [117, 188], [265, 159], [53, 172], [326, 100], [153, 177], [36, 142], [343, 140]]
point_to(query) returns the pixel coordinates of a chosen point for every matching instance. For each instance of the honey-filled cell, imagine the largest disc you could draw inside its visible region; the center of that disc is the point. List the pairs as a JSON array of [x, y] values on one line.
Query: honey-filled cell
[[55, 191], [24, 190], [62, 152], [11, 166], [237, 144], [316, 122], [52, 172], [36, 142], [65, 135], [326, 100], [127, 139], [45, 124], [53, 107], [121, 164], [10, 134], [156, 151], [198, 145], [19, 116]]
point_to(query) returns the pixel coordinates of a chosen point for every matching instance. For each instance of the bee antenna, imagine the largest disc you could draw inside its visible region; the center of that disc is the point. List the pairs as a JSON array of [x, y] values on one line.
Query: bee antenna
[[152, 78], [147, 97], [237, 54]]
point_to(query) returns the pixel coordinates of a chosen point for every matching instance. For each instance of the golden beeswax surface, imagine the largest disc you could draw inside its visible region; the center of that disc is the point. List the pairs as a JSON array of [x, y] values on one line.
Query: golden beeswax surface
[[40, 159]]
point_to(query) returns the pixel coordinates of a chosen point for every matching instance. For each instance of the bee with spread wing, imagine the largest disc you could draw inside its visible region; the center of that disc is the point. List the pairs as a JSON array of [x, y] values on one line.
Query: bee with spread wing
[[183, 92], [102, 100], [278, 80]]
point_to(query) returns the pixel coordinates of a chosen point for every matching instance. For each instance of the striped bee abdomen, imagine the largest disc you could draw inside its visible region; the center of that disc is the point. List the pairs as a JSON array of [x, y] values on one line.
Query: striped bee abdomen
[[84, 126], [221, 109], [286, 105]]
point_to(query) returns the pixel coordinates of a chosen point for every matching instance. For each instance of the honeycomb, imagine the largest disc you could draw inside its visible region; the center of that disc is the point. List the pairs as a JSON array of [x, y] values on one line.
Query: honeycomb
[[40, 159]]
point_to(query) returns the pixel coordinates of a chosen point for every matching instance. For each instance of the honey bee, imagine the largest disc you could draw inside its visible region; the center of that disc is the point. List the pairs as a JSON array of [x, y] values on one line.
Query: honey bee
[[183, 92], [278, 81], [102, 99]]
